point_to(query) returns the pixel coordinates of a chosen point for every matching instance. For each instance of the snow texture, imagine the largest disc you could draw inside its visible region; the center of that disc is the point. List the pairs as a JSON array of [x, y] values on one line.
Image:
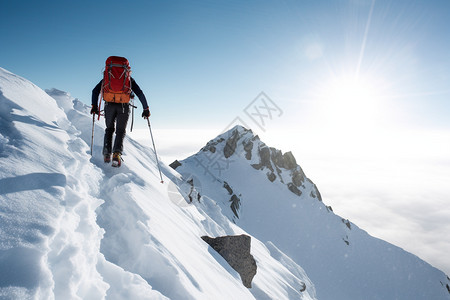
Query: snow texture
[[282, 208], [72, 227]]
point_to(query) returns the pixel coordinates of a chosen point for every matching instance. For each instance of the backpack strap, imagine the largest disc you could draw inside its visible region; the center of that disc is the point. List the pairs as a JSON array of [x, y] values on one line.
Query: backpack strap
[[125, 68]]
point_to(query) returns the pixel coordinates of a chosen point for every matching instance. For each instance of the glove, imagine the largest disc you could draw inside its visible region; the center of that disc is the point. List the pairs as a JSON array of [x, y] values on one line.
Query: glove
[[146, 113], [94, 109]]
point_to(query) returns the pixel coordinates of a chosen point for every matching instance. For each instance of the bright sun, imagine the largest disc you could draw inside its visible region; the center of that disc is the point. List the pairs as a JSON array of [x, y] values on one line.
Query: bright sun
[[350, 104]]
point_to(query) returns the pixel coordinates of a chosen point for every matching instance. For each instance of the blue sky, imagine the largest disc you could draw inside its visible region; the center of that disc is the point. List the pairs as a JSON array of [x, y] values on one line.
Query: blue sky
[[363, 87], [206, 59]]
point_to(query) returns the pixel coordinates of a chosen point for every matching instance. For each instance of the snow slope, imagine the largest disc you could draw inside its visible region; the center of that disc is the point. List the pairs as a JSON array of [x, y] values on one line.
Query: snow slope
[[267, 194], [72, 227]]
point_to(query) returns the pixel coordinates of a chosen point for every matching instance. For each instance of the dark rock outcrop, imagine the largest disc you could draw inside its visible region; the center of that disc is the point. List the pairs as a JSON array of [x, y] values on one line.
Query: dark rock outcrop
[[271, 176], [446, 285], [235, 201], [289, 161], [248, 147], [277, 157], [231, 143], [347, 223], [294, 189], [235, 204], [274, 160], [228, 188], [175, 164], [211, 145], [264, 156], [285, 161], [297, 177], [236, 251], [193, 193], [316, 194], [303, 288]]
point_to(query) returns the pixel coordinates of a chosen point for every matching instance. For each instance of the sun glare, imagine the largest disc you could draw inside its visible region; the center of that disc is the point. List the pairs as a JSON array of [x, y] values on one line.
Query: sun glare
[[350, 104]]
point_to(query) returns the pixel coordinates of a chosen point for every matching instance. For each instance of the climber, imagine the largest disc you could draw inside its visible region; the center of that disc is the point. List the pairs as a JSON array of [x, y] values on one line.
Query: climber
[[117, 88]]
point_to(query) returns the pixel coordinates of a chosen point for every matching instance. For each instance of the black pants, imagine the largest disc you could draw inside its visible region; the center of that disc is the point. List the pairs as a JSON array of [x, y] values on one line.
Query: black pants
[[116, 117]]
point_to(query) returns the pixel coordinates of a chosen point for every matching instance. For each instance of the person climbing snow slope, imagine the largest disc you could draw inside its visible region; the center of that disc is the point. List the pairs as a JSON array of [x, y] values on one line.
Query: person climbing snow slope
[[116, 88]]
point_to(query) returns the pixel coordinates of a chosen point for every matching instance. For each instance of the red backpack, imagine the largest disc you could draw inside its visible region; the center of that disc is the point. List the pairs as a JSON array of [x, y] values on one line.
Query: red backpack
[[117, 80]]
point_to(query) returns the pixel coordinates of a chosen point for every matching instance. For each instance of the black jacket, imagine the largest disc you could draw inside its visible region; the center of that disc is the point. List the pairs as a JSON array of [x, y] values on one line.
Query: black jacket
[[134, 87]]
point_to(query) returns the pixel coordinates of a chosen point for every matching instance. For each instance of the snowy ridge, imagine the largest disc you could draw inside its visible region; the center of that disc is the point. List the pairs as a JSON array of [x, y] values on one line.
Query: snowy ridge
[[49, 236], [280, 206], [72, 227]]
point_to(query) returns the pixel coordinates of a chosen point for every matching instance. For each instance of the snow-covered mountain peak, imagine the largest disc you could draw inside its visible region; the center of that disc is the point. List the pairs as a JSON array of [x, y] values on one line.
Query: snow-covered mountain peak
[[225, 144], [265, 191], [241, 144]]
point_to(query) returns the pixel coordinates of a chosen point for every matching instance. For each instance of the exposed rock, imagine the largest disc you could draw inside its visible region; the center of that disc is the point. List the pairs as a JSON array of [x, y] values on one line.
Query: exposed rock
[[235, 205], [175, 164], [286, 160], [227, 187], [276, 161], [193, 194], [289, 161], [211, 145], [264, 155], [231, 143], [316, 194], [294, 189], [248, 147], [448, 288], [235, 201], [298, 177], [347, 223], [271, 176], [277, 157], [279, 172], [303, 287], [236, 251]]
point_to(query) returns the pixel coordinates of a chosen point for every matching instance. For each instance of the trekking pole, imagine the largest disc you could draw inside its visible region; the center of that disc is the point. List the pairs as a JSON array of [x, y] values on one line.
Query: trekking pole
[[132, 110], [156, 155], [132, 116], [93, 117], [93, 126]]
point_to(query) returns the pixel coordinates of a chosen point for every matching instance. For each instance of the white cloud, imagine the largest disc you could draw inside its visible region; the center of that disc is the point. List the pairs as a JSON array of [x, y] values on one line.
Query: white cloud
[[172, 144], [401, 195]]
